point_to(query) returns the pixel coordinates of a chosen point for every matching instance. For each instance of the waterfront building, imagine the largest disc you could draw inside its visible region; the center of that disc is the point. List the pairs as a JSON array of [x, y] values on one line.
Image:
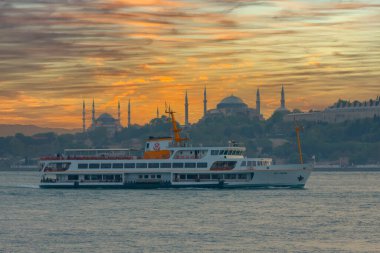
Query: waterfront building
[[340, 111]]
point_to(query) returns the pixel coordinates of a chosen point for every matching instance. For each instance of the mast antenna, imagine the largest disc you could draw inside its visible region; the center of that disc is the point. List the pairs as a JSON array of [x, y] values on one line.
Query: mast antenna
[[299, 128], [177, 137]]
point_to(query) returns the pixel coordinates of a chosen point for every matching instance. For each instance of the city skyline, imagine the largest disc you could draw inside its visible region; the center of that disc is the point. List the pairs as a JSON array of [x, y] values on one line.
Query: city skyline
[[55, 55]]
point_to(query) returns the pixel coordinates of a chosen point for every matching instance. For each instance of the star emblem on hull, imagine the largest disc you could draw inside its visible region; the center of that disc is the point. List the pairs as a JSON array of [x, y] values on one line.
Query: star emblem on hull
[[300, 178]]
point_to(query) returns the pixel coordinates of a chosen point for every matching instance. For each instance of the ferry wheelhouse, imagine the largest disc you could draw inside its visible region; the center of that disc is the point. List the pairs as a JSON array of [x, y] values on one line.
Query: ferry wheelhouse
[[168, 162]]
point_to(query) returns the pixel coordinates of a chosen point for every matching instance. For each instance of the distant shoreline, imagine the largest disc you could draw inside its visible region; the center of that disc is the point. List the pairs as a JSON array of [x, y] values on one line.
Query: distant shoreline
[[347, 169], [21, 169]]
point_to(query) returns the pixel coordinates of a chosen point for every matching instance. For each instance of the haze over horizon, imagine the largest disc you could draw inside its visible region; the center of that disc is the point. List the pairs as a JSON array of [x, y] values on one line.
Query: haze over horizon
[[56, 53]]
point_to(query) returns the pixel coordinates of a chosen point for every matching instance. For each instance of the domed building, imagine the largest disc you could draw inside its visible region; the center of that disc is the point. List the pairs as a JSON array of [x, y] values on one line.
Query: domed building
[[233, 105], [231, 102], [106, 120]]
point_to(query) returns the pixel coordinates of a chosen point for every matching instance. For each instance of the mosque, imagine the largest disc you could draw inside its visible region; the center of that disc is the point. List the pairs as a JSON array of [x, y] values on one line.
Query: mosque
[[229, 106], [233, 105], [105, 120]]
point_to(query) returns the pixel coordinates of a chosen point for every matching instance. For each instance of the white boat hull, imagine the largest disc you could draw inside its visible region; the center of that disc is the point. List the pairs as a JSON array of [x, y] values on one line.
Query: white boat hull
[[275, 176]]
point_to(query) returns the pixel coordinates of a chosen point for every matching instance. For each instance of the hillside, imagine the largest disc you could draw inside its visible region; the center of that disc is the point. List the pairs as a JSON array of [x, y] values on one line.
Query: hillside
[[351, 142], [12, 129]]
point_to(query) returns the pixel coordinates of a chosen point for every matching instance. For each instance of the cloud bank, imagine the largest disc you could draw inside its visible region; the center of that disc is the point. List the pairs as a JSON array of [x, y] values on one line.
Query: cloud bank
[[55, 53]]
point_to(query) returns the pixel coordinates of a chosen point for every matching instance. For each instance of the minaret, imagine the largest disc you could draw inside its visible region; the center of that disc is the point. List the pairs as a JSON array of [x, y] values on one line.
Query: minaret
[[258, 109], [282, 98], [158, 113], [93, 113], [84, 117], [204, 102], [129, 113], [118, 111], [186, 110]]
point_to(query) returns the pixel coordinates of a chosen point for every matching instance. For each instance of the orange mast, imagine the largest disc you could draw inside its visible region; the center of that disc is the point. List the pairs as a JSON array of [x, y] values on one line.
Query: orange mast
[[176, 130]]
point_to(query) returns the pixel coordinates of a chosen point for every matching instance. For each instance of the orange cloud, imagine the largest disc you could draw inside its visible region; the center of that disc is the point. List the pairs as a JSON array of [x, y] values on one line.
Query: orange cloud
[[163, 79], [153, 50]]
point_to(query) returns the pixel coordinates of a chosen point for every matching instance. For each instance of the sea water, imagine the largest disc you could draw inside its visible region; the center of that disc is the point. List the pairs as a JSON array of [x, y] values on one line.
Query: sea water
[[336, 212]]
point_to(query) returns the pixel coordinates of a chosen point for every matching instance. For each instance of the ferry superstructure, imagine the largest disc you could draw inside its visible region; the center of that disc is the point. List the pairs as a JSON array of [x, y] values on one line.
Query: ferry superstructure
[[168, 162]]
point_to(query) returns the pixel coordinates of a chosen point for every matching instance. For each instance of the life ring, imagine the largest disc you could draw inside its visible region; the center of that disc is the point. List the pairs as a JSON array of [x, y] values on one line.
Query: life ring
[[156, 146]]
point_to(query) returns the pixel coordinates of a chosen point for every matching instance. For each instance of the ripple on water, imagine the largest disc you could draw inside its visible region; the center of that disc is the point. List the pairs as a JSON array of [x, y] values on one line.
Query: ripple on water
[[335, 213]]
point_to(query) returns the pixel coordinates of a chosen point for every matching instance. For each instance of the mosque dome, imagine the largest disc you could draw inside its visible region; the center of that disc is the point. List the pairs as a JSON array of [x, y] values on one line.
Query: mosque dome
[[232, 102], [106, 118]]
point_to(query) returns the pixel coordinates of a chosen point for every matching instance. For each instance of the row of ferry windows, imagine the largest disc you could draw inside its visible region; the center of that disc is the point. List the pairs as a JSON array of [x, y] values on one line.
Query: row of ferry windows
[[254, 163], [178, 177], [140, 165], [226, 152], [117, 178]]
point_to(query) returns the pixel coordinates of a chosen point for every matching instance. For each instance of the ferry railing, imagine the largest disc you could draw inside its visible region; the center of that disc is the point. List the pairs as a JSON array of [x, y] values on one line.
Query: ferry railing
[[54, 158]]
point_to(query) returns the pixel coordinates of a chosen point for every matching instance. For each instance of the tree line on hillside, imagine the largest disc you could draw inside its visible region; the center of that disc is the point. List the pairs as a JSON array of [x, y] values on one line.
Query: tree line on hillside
[[356, 142]]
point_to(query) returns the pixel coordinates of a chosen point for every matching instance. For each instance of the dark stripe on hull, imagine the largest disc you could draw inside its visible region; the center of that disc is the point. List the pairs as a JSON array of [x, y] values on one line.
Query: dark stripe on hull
[[169, 185]]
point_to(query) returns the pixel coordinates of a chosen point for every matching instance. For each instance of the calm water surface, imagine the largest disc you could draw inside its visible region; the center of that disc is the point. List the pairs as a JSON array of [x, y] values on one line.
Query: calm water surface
[[337, 212]]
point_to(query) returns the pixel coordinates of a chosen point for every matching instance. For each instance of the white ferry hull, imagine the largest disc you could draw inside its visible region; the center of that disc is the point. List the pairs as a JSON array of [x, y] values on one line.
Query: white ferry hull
[[257, 178]]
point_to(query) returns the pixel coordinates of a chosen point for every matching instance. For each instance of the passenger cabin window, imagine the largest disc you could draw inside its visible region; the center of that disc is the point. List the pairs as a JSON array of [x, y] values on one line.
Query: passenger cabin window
[[83, 166], [106, 166], [72, 177], [165, 165], [117, 166], [216, 176], [94, 166], [221, 152], [223, 165], [141, 165], [147, 145], [201, 165], [58, 166], [96, 177], [192, 176], [177, 165], [243, 163], [129, 165], [153, 165], [189, 165], [108, 177], [229, 176]]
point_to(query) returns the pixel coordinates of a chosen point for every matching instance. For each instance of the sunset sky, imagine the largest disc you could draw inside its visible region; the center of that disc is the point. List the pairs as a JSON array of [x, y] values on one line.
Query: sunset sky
[[54, 53]]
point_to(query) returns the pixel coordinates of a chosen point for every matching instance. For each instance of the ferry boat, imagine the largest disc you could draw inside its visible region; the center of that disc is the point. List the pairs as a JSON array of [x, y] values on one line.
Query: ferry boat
[[169, 162]]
